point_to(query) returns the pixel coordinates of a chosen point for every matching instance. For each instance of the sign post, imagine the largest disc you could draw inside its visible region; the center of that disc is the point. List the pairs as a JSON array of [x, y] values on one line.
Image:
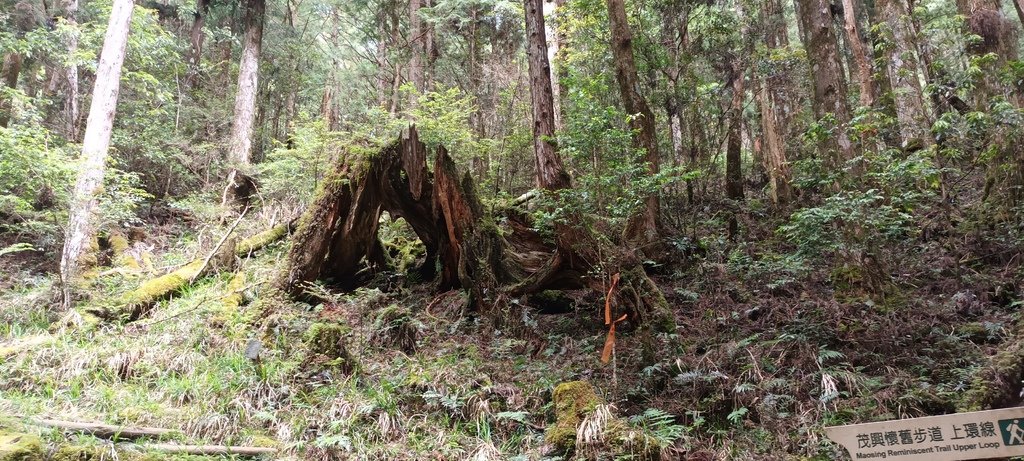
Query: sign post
[[955, 437]]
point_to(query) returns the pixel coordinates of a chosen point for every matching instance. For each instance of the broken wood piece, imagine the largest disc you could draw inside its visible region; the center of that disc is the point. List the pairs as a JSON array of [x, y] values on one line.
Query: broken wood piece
[[106, 431], [208, 450]]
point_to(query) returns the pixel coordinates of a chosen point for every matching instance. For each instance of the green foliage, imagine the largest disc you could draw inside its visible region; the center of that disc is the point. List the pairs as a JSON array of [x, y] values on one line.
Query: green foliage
[[292, 171]]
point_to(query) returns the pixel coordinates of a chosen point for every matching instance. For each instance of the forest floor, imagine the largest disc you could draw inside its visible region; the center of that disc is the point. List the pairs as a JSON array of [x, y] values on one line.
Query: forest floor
[[760, 361]]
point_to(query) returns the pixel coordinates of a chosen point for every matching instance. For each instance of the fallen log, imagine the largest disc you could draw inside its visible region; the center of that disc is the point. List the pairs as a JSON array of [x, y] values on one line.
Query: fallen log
[[209, 450], [107, 431], [139, 301]]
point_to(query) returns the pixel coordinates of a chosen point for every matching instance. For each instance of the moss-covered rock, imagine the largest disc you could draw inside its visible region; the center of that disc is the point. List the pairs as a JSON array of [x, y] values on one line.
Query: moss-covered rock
[[574, 400], [20, 447]]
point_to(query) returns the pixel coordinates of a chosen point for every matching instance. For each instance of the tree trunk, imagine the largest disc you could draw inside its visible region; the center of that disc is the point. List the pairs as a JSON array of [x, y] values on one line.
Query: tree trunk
[[773, 98], [9, 74], [248, 75], [196, 38], [417, 40], [554, 43], [643, 227], [827, 76], [734, 146], [774, 154], [904, 75], [860, 54], [71, 102], [1019, 6], [550, 172], [985, 19], [79, 251]]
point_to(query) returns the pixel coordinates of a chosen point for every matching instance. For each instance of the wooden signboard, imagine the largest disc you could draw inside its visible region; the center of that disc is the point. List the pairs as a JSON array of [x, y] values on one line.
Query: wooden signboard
[[955, 437]]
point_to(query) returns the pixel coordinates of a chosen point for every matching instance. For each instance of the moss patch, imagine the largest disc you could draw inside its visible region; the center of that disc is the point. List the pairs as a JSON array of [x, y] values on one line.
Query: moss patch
[[20, 447], [573, 400], [326, 344], [77, 453]]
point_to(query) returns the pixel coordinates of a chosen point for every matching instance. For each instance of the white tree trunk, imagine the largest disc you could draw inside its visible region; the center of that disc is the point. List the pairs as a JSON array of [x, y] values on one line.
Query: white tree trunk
[[81, 230], [248, 75]]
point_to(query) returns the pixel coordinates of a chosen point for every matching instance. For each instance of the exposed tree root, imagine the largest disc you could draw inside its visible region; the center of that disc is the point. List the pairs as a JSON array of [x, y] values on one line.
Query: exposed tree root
[[493, 256]]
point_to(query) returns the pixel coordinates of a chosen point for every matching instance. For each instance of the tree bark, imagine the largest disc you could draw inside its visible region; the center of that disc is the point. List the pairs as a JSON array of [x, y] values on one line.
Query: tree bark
[[550, 172], [985, 19], [248, 80], [827, 76], [904, 75], [79, 243], [643, 228], [9, 74], [860, 54], [773, 99], [1019, 6], [417, 40], [71, 103], [554, 44], [734, 146], [196, 38]]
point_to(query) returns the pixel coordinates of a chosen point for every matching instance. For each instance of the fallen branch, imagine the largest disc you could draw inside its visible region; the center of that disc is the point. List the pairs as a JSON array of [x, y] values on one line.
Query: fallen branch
[[106, 431], [206, 262], [139, 301], [209, 450]]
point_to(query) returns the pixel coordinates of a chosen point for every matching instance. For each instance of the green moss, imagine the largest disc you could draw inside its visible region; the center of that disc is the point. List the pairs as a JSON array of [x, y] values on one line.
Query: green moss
[[159, 288], [20, 447], [999, 382], [234, 298], [573, 401], [77, 453], [327, 339], [262, 239]]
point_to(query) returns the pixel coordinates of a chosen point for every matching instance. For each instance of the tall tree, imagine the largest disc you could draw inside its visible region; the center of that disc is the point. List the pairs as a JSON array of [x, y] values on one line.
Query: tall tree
[[904, 74], [734, 143], [248, 79], [643, 227], [417, 42], [550, 172], [827, 74], [196, 38], [71, 101], [773, 99], [81, 231], [9, 75]]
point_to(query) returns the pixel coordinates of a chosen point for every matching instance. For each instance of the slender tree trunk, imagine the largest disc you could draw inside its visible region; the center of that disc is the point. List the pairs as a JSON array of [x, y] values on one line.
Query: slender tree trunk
[[417, 40], [860, 54], [71, 103], [1019, 6], [9, 74], [643, 228], [827, 75], [79, 246], [550, 172], [554, 44], [734, 146], [904, 75], [774, 101], [196, 38], [248, 84]]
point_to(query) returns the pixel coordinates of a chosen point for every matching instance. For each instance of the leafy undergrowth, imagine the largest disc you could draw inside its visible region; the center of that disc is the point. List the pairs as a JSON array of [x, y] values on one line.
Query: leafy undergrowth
[[761, 361]]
